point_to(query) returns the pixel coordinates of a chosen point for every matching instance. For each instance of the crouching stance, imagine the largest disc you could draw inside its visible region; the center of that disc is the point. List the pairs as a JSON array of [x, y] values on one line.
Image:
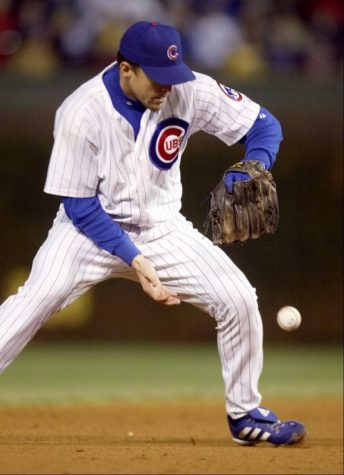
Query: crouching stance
[[115, 163]]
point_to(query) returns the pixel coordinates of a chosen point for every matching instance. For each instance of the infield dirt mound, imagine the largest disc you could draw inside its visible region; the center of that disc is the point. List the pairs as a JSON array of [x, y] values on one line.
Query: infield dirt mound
[[162, 439]]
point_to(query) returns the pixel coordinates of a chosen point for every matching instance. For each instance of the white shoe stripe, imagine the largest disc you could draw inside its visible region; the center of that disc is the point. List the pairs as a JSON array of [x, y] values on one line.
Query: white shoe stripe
[[254, 434], [246, 430], [265, 436], [264, 412]]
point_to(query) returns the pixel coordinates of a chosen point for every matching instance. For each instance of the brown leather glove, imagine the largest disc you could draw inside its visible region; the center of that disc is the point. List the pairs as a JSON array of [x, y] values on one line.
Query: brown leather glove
[[250, 211]]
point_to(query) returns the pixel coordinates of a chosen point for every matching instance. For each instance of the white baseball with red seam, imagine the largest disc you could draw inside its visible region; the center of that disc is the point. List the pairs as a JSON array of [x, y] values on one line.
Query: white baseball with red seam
[[288, 318]]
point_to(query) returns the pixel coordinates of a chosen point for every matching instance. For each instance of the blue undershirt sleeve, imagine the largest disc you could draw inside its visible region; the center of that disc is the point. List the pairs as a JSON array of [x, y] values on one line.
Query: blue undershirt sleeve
[[262, 141], [88, 215]]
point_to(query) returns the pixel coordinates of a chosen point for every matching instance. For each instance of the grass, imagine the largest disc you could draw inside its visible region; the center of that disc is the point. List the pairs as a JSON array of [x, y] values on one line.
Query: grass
[[94, 373]]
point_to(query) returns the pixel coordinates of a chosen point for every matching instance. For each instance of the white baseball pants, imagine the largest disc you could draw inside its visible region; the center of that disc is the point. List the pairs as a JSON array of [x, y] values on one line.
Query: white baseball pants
[[68, 264]]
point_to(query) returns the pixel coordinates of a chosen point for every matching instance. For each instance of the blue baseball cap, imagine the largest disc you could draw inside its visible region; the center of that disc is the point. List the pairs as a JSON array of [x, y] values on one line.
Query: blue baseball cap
[[157, 49]]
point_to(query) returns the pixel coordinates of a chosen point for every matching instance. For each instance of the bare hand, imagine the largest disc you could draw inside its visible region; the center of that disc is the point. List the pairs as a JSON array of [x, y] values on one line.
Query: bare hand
[[151, 283]]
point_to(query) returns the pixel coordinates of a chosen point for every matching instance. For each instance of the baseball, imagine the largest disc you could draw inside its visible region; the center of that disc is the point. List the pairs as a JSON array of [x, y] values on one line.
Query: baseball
[[289, 318]]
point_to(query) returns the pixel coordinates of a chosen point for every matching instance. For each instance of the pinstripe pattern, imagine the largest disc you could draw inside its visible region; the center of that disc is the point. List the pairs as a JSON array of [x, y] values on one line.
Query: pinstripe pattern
[[68, 264], [204, 276], [95, 152]]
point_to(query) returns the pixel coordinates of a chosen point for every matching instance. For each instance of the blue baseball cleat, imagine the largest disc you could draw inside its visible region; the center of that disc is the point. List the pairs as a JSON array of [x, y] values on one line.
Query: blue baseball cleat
[[262, 425]]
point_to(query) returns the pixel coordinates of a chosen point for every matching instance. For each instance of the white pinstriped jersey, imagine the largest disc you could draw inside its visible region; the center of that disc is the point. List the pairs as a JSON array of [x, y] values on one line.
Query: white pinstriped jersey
[[138, 181]]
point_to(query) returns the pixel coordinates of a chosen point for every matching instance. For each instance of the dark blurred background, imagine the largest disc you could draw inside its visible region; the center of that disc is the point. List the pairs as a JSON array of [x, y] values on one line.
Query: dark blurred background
[[285, 55]]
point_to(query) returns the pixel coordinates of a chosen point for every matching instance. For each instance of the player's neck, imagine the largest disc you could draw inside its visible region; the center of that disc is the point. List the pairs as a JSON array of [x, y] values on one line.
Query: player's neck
[[126, 89]]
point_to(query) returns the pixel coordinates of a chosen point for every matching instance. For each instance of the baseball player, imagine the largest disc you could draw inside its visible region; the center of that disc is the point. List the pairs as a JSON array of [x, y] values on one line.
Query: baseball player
[[115, 163]]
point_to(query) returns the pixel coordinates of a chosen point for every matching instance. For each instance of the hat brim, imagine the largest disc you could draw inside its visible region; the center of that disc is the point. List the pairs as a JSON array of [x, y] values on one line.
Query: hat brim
[[169, 75]]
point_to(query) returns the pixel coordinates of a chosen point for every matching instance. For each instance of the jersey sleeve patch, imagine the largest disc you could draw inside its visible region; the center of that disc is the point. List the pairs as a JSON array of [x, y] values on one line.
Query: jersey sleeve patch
[[166, 141], [231, 93]]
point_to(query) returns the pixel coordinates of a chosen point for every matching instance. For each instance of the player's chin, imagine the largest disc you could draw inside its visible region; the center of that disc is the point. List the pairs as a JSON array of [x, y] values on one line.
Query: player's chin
[[154, 108], [156, 104]]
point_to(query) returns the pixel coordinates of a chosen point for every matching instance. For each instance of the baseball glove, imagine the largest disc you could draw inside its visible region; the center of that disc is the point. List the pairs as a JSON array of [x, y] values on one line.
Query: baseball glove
[[250, 211]]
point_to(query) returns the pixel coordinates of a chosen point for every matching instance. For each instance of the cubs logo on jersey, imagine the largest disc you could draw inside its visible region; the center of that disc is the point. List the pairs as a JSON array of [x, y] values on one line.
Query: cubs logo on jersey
[[231, 93], [165, 142]]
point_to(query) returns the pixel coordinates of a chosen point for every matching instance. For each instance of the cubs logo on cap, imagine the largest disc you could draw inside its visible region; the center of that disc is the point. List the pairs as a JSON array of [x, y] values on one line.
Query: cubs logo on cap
[[172, 52], [166, 141], [157, 49], [231, 93]]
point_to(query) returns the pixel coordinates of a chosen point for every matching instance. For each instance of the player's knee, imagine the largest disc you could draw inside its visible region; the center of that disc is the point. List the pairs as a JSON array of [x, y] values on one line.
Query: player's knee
[[232, 311]]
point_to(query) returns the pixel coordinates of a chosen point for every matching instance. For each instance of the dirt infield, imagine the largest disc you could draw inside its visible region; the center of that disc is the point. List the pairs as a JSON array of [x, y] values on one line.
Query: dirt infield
[[162, 439]]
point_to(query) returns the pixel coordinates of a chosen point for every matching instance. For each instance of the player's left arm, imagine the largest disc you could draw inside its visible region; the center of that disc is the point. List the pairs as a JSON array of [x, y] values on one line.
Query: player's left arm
[[263, 140], [261, 143], [234, 118]]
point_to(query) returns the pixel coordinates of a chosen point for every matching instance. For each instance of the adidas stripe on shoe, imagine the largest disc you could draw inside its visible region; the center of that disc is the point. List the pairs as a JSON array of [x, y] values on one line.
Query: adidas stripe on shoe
[[262, 425]]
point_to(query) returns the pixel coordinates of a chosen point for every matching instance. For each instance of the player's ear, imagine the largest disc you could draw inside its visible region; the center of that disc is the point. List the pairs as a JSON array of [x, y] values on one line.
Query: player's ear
[[126, 68]]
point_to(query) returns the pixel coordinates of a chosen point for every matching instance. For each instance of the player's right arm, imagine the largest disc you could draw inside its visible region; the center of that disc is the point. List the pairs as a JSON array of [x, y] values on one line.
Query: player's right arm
[[90, 218], [73, 175], [151, 283]]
